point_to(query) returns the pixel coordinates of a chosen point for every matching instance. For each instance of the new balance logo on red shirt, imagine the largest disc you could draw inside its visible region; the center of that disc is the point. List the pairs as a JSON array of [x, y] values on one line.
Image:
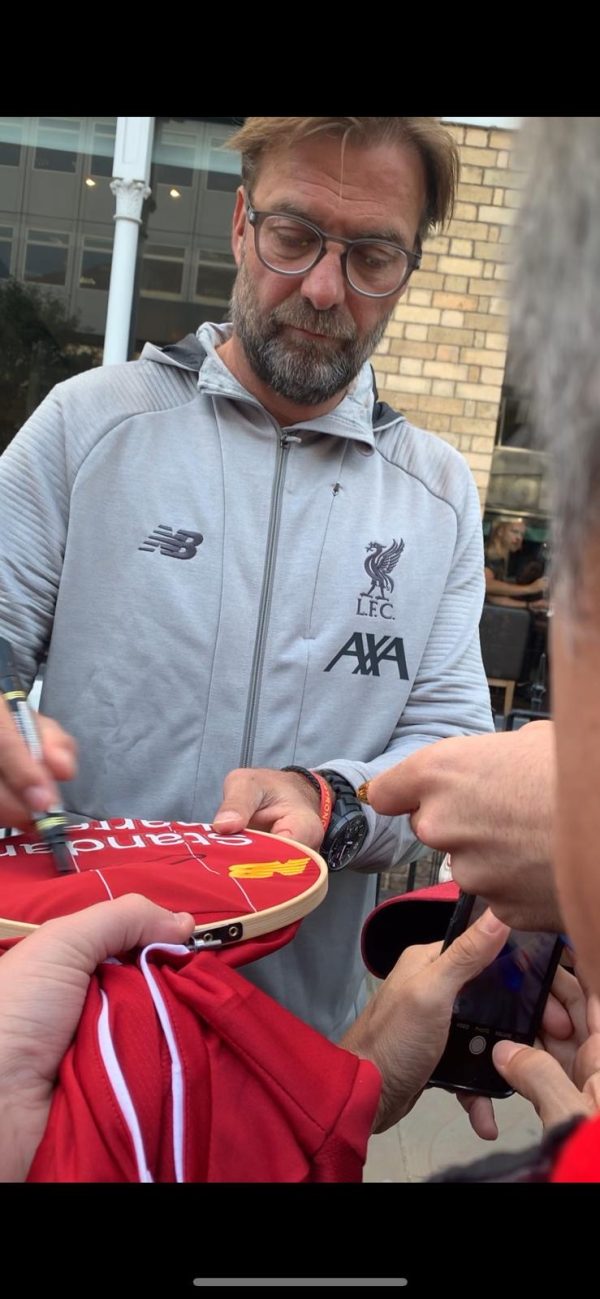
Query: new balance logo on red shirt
[[182, 544]]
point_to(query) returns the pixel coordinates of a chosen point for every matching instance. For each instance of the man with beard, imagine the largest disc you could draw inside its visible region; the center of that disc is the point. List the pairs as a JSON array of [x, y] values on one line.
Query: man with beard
[[326, 615]]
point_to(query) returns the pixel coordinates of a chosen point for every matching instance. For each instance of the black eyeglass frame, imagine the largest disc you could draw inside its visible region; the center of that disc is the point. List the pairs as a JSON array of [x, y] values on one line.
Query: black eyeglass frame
[[256, 219]]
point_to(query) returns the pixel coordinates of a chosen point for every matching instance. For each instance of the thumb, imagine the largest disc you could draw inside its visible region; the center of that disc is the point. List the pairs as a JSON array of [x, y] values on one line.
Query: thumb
[[85, 938], [471, 952], [540, 1079], [243, 796]]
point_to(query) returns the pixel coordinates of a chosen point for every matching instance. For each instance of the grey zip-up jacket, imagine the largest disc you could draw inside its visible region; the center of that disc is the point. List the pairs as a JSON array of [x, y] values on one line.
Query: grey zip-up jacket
[[215, 591]]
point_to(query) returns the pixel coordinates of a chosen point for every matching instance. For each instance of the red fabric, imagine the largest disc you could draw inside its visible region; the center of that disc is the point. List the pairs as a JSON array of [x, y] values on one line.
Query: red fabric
[[422, 916], [579, 1159], [267, 1098], [448, 892], [185, 867]]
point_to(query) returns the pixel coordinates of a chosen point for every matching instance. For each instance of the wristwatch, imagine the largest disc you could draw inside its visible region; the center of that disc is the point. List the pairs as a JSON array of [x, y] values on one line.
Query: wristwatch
[[348, 826], [344, 822]]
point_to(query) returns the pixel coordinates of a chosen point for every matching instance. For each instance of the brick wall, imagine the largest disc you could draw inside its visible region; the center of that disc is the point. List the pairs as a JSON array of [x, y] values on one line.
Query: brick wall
[[442, 359]]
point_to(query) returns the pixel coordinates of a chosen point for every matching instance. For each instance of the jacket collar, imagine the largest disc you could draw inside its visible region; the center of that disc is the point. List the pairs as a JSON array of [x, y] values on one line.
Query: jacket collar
[[353, 418]]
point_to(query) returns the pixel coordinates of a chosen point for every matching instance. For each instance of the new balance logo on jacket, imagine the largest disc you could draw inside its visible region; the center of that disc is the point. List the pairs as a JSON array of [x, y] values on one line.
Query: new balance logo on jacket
[[182, 544]]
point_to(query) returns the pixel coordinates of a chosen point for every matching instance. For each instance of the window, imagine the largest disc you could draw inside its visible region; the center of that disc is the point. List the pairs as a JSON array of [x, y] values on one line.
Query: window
[[224, 167], [57, 144], [6, 235], [174, 157], [96, 261], [162, 271], [11, 132], [46, 257], [215, 276], [513, 428], [103, 149]]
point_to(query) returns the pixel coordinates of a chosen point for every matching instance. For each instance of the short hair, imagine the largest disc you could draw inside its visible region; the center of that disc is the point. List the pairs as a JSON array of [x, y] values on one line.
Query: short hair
[[432, 141], [555, 325]]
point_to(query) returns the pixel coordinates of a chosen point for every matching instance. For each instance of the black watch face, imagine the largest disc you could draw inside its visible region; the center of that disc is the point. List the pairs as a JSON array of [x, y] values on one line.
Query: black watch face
[[347, 843]]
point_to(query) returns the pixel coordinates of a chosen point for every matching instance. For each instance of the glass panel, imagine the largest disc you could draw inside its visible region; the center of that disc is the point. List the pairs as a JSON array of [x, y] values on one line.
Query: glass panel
[[223, 168], [174, 156], [215, 282], [51, 325], [175, 293], [162, 275], [5, 252], [513, 421], [95, 264], [11, 132], [58, 141], [46, 258], [176, 175], [104, 150]]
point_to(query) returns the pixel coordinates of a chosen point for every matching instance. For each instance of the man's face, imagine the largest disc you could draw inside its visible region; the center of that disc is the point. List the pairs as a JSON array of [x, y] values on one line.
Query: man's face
[[307, 336]]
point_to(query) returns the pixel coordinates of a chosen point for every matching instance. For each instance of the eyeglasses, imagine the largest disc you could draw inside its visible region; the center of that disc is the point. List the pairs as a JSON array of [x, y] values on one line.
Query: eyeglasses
[[289, 245]]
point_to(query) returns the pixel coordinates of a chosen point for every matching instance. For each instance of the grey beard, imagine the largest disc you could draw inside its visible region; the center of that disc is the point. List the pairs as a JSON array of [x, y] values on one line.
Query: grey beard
[[306, 372]]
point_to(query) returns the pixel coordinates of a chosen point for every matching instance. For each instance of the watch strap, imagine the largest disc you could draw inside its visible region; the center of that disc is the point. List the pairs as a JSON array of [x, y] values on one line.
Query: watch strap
[[346, 806]]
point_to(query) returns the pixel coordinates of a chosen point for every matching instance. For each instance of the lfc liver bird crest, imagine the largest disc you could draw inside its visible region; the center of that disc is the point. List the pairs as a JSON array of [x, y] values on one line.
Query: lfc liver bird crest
[[378, 566]]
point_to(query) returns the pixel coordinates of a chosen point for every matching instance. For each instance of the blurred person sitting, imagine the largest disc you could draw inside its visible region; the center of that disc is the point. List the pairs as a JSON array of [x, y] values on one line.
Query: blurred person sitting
[[506, 539]]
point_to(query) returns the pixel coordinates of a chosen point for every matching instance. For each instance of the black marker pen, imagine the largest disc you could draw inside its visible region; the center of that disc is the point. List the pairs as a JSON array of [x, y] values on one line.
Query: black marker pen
[[49, 825]]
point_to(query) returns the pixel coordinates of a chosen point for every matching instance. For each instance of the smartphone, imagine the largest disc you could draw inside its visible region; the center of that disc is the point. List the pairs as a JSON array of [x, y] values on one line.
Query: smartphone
[[505, 1001]]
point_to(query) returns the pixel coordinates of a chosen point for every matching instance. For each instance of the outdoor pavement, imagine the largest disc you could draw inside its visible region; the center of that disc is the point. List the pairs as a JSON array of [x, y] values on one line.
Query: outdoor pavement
[[437, 1135]]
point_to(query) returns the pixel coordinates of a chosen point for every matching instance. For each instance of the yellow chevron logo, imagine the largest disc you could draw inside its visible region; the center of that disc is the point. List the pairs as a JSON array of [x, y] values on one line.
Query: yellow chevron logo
[[262, 870]]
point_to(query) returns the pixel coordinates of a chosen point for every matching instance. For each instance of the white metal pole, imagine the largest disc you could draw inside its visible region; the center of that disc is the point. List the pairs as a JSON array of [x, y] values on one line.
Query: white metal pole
[[131, 173]]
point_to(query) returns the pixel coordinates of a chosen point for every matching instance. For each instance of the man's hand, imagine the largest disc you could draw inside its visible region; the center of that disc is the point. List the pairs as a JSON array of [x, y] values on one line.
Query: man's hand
[[282, 802], [43, 985], [404, 1029], [488, 800], [27, 785], [562, 1079]]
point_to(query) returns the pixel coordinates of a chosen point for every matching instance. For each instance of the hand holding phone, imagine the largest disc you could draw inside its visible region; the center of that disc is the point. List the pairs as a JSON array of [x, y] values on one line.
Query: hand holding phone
[[505, 1001]]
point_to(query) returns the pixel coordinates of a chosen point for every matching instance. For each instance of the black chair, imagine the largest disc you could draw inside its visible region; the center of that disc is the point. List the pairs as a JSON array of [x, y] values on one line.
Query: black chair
[[519, 717], [504, 633]]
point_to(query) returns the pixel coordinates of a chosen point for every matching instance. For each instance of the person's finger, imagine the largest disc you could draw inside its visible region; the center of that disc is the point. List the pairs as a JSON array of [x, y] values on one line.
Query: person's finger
[[582, 980], [16, 813], [243, 795], [480, 1110], [416, 957], [540, 1079], [593, 1013], [58, 747], [85, 938], [586, 1071], [568, 994], [25, 777], [556, 1020], [399, 789], [28, 782], [303, 825], [470, 953]]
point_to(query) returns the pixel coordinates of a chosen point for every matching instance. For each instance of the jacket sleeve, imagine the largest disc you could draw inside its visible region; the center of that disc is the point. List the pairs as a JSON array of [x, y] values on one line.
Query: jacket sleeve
[[34, 508], [449, 695]]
